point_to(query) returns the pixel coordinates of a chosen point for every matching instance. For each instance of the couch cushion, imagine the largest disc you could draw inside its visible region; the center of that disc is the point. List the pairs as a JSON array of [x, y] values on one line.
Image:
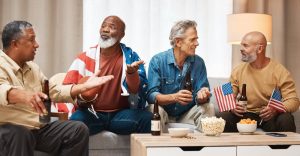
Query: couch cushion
[[108, 140], [215, 82], [110, 152]]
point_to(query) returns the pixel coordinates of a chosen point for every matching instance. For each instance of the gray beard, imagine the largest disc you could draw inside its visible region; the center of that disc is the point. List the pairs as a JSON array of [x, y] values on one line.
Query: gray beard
[[107, 43], [249, 58]]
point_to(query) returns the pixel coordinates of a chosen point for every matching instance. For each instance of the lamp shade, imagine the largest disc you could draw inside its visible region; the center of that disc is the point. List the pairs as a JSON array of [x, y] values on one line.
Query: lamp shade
[[241, 24]]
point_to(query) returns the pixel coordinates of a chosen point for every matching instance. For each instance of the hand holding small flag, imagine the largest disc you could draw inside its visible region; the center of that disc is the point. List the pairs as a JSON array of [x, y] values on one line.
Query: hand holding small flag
[[275, 101], [225, 98]]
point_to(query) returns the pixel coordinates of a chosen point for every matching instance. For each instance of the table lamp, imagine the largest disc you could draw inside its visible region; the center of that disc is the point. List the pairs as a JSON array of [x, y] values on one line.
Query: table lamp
[[240, 24]]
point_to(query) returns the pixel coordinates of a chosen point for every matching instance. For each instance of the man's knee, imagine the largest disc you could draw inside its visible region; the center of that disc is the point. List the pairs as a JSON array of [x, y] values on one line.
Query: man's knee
[[19, 133], [145, 115], [80, 128], [16, 140], [226, 116], [230, 119], [80, 116], [285, 122]]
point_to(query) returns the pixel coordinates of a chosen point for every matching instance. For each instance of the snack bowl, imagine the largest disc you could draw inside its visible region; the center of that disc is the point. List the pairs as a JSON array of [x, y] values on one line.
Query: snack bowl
[[212, 126], [178, 132], [191, 127], [246, 128]]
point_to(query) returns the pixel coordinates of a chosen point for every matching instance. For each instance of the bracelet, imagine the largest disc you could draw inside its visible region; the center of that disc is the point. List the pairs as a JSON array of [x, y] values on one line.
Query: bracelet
[[87, 101]]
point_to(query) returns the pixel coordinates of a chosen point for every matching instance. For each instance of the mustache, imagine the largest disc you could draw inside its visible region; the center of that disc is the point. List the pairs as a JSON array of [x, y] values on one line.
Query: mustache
[[105, 36]]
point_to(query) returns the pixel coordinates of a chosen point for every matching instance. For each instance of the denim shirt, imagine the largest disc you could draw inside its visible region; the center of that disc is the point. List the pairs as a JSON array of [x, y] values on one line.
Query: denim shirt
[[165, 77]]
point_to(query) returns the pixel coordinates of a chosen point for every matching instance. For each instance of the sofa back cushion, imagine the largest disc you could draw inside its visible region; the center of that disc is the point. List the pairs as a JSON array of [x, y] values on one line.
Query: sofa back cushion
[[215, 82]]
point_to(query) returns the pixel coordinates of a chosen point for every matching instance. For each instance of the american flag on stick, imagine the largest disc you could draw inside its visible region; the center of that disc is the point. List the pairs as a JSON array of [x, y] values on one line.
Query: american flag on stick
[[225, 98], [275, 101]]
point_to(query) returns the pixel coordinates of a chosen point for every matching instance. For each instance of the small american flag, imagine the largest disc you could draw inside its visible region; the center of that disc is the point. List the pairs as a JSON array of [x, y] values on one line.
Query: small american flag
[[225, 98], [275, 101]]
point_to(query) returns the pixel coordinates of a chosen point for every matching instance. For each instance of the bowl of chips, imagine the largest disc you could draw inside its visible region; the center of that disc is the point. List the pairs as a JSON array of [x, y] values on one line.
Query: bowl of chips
[[246, 126]]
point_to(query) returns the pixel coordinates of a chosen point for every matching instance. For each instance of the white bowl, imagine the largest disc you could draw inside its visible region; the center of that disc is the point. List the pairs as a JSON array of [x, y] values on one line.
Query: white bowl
[[178, 132], [182, 125], [212, 126], [246, 128]]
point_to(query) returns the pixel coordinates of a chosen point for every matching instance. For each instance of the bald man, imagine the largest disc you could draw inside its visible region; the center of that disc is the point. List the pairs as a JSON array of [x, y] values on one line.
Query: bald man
[[261, 75], [119, 106]]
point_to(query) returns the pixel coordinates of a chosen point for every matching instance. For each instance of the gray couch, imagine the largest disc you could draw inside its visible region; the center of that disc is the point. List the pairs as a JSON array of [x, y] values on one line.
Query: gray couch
[[110, 144]]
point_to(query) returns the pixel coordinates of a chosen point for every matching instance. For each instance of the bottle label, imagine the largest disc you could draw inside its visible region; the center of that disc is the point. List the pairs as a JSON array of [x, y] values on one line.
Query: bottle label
[[155, 125], [244, 104]]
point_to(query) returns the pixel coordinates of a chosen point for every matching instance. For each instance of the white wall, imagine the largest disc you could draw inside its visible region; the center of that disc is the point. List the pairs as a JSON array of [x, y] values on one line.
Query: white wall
[[148, 23]]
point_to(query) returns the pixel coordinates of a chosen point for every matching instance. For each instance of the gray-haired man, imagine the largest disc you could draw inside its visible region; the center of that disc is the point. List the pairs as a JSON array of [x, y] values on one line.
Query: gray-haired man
[[166, 76]]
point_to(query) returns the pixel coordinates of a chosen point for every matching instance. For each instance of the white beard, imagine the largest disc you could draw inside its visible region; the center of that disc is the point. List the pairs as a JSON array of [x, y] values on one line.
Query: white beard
[[107, 43]]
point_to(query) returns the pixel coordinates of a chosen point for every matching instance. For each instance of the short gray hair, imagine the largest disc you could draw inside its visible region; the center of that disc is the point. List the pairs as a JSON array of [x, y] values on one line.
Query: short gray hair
[[13, 31], [179, 29]]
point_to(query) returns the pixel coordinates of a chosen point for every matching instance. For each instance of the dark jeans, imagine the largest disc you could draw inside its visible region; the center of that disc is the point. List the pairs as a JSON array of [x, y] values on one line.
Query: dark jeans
[[122, 122], [283, 122], [61, 138]]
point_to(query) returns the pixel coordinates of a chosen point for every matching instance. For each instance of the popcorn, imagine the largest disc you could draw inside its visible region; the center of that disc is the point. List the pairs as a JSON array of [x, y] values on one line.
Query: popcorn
[[212, 126]]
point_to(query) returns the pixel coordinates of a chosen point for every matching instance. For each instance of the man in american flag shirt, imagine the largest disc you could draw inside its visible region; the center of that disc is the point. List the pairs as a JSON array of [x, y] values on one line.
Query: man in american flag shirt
[[119, 105], [262, 75]]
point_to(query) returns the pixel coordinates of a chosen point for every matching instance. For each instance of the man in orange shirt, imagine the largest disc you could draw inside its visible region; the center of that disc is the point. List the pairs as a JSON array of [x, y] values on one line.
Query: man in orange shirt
[[119, 105]]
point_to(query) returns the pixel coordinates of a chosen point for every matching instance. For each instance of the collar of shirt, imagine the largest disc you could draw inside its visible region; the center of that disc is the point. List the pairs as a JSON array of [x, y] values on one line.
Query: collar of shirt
[[187, 62], [14, 65]]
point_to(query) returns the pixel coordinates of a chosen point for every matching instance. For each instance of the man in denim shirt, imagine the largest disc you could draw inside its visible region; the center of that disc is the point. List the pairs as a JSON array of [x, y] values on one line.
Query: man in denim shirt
[[166, 76]]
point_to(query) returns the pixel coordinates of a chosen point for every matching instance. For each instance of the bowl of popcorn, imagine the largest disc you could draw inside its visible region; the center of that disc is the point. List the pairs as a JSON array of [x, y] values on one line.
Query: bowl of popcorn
[[212, 126], [246, 126]]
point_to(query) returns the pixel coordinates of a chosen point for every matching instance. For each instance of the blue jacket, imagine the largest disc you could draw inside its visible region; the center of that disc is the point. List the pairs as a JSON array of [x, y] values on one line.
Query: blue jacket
[[136, 100]]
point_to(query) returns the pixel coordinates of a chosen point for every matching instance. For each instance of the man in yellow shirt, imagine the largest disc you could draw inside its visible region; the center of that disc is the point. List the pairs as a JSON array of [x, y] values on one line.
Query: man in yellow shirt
[[21, 101], [261, 75]]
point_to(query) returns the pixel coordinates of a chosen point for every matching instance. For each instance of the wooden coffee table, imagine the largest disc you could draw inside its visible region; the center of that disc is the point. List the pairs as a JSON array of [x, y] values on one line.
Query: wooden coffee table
[[227, 144]]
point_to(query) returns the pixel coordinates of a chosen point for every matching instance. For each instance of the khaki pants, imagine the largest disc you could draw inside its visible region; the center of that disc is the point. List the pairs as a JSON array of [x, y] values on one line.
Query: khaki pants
[[193, 116]]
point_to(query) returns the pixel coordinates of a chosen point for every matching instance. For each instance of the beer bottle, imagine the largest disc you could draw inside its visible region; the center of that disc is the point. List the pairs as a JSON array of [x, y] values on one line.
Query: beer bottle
[[243, 99], [188, 82], [45, 117], [155, 121]]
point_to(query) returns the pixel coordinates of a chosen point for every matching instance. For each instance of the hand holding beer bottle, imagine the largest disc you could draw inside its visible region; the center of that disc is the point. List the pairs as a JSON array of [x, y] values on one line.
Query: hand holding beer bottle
[[188, 82], [243, 98], [45, 117]]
